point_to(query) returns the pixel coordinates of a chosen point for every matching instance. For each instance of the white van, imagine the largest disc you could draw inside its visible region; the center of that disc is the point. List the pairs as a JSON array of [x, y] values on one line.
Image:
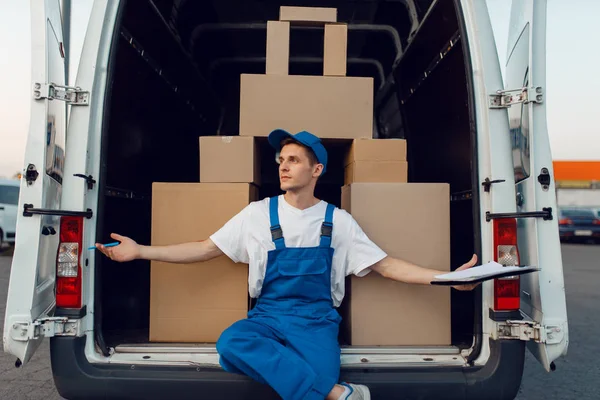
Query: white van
[[154, 75], [9, 198]]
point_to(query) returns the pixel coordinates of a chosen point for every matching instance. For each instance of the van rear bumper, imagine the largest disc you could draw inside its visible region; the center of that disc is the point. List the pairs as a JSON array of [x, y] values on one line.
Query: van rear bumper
[[76, 378]]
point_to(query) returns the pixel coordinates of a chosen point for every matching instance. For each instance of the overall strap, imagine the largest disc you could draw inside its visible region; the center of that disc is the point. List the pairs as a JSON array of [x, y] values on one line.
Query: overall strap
[[276, 232], [327, 227]]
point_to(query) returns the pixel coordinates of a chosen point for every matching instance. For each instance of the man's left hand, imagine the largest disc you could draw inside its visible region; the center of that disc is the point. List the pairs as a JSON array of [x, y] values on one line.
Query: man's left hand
[[469, 264]]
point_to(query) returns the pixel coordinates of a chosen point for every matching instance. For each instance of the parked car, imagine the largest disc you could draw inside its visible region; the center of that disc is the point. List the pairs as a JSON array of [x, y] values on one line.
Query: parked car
[[579, 224], [9, 198]]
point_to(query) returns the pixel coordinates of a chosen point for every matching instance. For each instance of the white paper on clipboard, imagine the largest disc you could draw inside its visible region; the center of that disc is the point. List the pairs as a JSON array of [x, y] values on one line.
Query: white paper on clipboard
[[481, 273]]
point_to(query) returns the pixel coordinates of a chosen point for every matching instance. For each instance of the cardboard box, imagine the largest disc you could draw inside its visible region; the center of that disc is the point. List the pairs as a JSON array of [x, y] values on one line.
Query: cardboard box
[[278, 48], [376, 171], [229, 159], [196, 302], [327, 106], [335, 50], [308, 15], [410, 221], [376, 150]]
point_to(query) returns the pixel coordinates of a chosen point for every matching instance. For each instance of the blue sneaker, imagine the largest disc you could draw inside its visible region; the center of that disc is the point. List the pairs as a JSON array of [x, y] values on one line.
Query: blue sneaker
[[357, 392]]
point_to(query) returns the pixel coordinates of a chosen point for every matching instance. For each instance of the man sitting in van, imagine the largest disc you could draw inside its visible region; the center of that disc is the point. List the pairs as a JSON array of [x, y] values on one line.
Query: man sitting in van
[[299, 250]]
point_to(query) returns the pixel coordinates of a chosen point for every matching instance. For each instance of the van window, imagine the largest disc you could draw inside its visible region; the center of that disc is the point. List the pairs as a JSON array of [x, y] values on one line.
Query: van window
[[578, 213], [9, 195]]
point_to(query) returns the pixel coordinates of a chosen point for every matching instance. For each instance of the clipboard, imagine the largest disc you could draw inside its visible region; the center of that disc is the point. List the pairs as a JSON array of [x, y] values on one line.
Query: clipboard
[[485, 272]]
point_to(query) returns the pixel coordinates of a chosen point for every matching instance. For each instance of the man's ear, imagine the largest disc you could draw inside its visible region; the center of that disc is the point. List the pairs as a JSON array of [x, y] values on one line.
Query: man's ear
[[318, 170]]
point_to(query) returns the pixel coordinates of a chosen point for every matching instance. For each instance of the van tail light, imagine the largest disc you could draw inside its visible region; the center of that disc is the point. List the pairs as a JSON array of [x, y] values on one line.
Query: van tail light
[[68, 268], [506, 290], [565, 221]]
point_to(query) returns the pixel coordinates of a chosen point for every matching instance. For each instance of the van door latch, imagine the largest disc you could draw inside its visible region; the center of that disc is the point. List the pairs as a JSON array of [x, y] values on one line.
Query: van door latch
[[74, 96], [45, 327], [506, 98], [531, 331]]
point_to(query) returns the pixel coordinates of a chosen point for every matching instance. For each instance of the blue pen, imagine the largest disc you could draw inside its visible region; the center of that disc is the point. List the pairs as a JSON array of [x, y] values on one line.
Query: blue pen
[[106, 245]]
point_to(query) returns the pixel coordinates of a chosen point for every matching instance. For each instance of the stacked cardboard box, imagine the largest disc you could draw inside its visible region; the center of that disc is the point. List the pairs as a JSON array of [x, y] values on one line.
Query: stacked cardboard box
[[409, 221], [196, 302], [329, 106]]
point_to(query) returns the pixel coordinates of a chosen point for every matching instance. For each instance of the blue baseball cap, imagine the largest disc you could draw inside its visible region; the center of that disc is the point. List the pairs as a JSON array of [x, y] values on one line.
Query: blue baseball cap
[[304, 137]]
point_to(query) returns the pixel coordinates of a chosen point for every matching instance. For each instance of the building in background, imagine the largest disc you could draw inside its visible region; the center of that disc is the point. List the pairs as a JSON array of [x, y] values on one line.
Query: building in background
[[577, 183]]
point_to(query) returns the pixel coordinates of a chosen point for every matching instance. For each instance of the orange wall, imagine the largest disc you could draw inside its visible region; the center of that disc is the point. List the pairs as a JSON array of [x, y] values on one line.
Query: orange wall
[[576, 170]]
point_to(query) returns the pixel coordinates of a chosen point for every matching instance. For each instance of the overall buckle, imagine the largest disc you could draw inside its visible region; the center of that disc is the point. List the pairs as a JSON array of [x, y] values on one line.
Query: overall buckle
[[276, 232], [326, 229]]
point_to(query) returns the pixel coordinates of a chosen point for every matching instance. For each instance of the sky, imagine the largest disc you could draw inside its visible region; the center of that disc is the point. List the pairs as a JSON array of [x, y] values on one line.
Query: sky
[[572, 62]]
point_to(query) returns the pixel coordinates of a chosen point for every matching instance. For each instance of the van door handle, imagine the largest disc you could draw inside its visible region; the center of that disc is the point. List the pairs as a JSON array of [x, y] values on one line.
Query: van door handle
[[48, 230]]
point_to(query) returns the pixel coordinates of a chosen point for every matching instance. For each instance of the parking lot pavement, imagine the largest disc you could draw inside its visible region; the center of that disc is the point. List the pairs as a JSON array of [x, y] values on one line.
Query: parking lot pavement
[[33, 380], [574, 378]]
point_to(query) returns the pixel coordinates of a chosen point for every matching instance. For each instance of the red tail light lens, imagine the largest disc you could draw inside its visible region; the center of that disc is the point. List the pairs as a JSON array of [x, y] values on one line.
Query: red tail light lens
[[565, 221], [596, 222], [506, 290], [68, 268]]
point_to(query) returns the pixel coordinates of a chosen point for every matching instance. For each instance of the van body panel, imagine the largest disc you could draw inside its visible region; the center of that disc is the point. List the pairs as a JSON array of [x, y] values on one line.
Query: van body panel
[[31, 291], [543, 293], [492, 139], [76, 378], [85, 131]]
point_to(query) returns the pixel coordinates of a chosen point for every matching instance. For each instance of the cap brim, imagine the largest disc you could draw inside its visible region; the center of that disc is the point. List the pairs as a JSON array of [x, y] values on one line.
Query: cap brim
[[276, 136]]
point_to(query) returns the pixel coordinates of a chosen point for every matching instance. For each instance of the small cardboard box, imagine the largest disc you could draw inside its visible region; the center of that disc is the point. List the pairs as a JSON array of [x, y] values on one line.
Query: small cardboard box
[[229, 159], [308, 15], [376, 171], [196, 302], [376, 150], [278, 48], [409, 221], [335, 50], [376, 160], [327, 106]]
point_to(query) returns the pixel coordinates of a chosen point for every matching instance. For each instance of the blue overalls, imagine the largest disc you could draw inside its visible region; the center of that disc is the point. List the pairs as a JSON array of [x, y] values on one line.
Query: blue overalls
[[289, 340]]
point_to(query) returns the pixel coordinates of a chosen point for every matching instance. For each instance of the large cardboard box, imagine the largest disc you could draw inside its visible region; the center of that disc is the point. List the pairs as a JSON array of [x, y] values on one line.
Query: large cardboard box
[[327, 106], [376, 160], [410, 221], [229, 159], [196, 302], [308, 15]]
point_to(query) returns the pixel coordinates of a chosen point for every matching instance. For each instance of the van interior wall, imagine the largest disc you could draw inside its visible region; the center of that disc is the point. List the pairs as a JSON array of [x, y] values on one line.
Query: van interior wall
[[152, 129], [440, 137]]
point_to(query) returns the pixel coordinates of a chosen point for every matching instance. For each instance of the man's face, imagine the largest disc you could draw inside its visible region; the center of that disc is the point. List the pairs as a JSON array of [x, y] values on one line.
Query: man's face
[[295, 170]]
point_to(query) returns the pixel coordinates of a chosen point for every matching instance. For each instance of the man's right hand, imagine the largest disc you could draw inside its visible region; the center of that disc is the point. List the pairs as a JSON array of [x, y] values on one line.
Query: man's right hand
[[127, 250]]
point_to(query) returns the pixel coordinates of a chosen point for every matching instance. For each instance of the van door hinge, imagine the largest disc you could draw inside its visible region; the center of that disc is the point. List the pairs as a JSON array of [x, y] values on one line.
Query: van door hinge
[[530, 330], [506, 98], [45, 327], [51, 91]]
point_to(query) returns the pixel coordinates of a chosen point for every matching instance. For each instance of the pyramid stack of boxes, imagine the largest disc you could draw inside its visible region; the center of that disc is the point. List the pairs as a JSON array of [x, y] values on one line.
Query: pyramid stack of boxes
[[196, 302]]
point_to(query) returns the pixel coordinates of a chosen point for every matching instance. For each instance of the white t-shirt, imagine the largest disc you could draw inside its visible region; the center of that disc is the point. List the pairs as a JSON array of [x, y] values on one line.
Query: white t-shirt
[[246, 238]]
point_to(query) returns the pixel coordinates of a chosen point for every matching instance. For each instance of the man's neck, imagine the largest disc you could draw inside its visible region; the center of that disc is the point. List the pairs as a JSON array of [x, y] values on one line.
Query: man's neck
[[301, 200]]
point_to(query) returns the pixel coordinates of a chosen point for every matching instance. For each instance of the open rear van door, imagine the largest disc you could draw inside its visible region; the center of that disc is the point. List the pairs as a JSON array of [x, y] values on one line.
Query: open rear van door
[[543, 293], [32, 289]]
